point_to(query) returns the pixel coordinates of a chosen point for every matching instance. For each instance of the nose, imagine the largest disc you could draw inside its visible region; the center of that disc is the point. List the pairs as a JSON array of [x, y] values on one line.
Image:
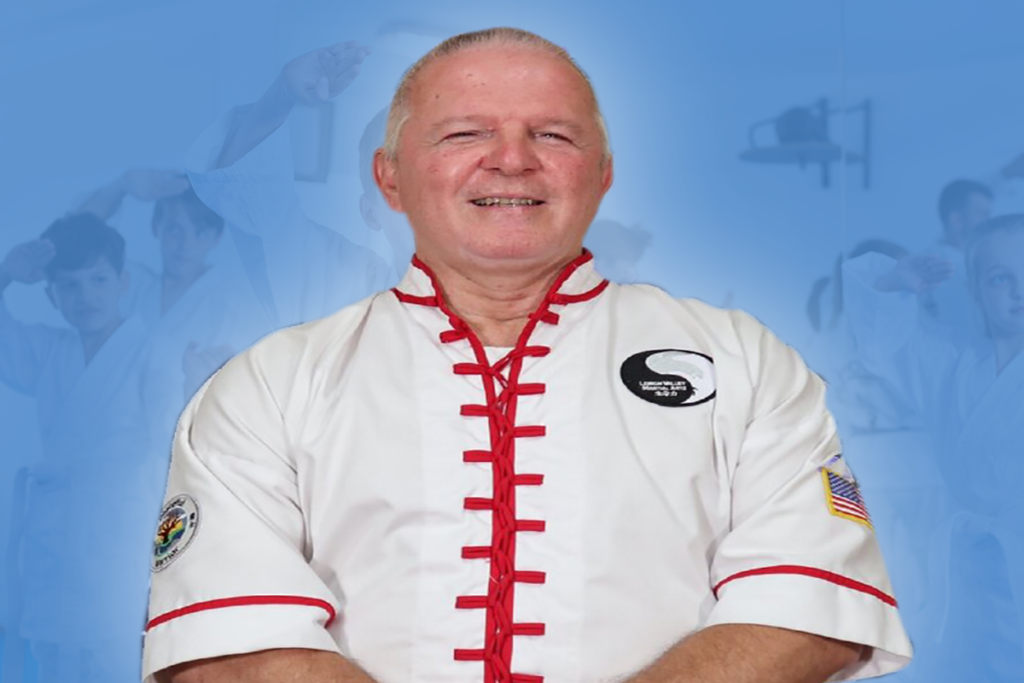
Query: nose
[[512, 152], [87, 294]]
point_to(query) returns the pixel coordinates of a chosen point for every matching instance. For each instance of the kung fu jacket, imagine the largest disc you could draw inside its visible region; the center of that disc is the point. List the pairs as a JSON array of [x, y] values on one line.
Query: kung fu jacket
[[380, 484]]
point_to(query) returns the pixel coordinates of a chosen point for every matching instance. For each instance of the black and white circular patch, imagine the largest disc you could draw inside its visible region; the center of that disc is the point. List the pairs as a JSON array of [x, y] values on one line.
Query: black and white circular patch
[[670, 377]]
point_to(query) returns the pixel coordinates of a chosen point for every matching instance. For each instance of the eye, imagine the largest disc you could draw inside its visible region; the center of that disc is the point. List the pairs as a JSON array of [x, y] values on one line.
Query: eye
[[462, 135], [999, 279], [549, 135]]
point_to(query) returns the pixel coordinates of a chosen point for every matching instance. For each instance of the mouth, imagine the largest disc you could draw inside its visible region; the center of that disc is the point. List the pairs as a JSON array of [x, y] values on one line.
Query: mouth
[[506, 202]]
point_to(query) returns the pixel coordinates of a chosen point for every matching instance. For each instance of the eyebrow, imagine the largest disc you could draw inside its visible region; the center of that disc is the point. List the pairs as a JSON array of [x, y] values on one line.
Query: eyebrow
[[452, 120]]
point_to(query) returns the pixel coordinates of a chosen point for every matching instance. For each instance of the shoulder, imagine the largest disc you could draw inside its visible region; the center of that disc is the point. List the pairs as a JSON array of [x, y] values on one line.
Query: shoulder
[[743, 349], [728, 329], [289, 363]]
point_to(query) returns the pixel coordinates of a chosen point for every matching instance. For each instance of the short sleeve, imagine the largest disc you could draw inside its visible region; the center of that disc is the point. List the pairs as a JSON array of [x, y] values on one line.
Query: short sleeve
[[230, 573], [257, 192], [801, 552]]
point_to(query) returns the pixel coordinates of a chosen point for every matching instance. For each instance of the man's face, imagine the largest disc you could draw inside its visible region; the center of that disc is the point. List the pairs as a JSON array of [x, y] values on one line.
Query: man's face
[[184, 245], [999, 282], [978, 208], [88, 297], [501, 160]]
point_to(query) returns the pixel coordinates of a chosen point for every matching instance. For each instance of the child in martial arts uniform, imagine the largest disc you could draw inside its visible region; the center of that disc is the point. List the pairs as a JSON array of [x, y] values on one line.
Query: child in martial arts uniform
[[210, 312], [107, 401], [973, 400]]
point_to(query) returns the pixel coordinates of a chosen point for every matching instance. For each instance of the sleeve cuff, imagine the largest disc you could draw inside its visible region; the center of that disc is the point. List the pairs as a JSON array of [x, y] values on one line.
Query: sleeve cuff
[[237, 625], [817, 604], [255, 194]]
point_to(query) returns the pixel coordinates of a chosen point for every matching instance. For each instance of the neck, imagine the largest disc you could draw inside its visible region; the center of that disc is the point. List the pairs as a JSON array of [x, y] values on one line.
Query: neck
[[93, 341], [496, 304], [1007, 349]]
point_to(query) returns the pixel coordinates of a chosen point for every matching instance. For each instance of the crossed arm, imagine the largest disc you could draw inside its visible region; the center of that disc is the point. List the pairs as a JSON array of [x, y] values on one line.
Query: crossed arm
[[727, 653]]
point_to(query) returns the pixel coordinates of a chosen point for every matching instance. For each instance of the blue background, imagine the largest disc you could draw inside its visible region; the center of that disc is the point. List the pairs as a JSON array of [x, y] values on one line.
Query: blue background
[[91, 88]]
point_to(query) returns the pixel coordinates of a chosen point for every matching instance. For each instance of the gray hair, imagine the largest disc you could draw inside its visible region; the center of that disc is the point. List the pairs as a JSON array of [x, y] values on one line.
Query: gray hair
[[399, 112]]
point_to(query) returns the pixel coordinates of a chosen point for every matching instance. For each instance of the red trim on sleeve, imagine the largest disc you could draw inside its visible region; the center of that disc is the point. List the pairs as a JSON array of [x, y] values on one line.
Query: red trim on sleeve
[[242, 601], [838, 579]]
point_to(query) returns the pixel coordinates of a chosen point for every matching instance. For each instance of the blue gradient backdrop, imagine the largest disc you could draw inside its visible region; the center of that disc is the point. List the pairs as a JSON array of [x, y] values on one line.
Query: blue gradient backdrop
[[91, 88]]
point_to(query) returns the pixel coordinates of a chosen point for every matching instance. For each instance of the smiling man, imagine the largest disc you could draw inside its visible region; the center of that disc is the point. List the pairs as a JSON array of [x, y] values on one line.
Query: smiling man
[[507, 469]]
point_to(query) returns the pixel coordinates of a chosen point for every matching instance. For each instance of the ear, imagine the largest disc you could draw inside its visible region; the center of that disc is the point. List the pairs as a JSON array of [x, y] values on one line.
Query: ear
[[366, 211], [49, 295], [385, 174], [124, 282], [607, 175]]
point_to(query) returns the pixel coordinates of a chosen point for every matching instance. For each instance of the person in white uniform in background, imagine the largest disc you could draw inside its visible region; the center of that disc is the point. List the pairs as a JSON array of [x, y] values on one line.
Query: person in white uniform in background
[[106, 406], [885, 439], [508, 469], [210, 312], [963, 204], [972, 397], [241, 167]]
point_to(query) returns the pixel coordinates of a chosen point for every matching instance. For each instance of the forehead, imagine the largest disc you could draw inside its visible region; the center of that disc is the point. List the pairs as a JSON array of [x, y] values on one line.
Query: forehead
[[505, 80], [1003, 249], [978, 200], [174, 212], [100, 266]]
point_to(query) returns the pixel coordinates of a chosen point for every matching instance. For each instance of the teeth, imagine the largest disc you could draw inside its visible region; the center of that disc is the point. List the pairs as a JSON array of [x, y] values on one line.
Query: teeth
[[505, 201]]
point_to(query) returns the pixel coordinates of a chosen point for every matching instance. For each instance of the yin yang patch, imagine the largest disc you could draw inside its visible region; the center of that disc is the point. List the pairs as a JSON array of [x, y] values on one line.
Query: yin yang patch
[[670, 377]]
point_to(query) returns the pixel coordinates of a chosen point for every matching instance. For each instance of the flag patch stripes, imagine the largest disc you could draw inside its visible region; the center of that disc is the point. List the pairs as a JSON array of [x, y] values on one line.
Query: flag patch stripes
[[844, 499]]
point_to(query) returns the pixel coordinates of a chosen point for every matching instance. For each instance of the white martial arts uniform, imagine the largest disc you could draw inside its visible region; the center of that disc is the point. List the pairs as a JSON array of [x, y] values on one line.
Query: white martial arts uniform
[[972, 411], [950, 304], [976, 420], [312, 270], [378, 484], [217, 309], [106, 430]]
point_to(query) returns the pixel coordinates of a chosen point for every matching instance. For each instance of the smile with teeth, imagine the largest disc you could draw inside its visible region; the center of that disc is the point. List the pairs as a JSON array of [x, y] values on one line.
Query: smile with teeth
[[507, 201]]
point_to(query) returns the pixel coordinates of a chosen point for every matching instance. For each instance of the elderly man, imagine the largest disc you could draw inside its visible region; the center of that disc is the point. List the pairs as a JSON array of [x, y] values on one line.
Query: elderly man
[[506, 469]]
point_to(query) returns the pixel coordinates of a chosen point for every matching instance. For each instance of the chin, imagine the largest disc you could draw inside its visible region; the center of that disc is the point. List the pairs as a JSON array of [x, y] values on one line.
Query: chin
[[524, 249]]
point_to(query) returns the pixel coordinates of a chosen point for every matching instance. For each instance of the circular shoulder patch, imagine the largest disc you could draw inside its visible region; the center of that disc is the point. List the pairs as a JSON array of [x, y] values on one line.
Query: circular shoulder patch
[[670, 377], [178, 525]]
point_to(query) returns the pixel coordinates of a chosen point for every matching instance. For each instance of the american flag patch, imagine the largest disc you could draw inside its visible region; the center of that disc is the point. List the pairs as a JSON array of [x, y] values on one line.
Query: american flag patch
[[843, 498]]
